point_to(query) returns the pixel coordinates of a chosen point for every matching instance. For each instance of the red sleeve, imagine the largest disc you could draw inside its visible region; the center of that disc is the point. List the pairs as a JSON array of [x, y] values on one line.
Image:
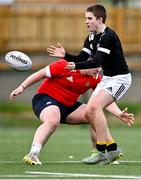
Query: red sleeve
[[56, 68]]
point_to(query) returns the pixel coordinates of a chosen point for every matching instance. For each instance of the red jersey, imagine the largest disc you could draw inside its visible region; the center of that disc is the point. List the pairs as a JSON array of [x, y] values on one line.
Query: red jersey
[[66, 85]]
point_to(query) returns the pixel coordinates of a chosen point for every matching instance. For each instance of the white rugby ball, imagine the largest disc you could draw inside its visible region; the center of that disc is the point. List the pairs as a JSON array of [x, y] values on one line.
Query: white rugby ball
[[18, 61]]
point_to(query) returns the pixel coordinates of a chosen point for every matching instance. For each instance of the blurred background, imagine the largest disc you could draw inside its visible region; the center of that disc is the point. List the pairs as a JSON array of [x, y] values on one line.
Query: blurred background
[[31, 26]]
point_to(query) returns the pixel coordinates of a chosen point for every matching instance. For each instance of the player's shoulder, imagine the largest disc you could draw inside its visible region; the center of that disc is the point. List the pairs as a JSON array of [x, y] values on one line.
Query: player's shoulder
[[57, 68], [109, 33], [109, 36], [60, 62], [90, 37]]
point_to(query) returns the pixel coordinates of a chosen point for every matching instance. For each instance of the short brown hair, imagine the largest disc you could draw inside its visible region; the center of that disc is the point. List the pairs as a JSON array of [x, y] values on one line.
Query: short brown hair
[[98, 11]]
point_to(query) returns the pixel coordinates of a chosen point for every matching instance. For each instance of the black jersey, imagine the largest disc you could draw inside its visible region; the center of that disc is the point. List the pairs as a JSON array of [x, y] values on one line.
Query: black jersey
[[103, 49]]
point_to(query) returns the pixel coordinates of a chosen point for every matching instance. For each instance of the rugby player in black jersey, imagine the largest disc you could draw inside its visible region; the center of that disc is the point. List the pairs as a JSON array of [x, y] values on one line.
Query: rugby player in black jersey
[[103, 49]]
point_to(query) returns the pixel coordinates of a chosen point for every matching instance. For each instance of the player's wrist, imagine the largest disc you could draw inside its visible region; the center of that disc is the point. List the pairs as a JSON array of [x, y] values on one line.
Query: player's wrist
[[23, 86]]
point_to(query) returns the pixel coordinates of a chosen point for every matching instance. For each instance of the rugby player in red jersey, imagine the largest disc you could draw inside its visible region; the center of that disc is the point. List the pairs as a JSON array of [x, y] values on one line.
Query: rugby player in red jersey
[[56, 102]]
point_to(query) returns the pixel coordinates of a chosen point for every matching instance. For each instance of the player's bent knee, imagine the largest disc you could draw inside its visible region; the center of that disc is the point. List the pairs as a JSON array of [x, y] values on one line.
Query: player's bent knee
[[90, 111]]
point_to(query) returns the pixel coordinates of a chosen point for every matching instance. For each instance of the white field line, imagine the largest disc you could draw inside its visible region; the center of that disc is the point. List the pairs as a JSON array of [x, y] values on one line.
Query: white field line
[[53, 174], [40, 174], [19, 176], [59, 162]]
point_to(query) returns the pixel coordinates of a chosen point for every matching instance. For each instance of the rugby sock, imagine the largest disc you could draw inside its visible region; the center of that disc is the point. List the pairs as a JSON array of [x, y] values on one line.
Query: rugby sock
[[101, 146], [111, 146], [36, 148]]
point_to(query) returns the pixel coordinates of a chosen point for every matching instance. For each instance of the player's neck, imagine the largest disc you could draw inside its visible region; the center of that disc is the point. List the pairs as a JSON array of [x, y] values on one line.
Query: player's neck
[[101, 29]]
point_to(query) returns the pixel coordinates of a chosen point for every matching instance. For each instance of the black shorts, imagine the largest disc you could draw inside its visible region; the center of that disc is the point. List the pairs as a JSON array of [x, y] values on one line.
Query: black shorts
[[41, 101]]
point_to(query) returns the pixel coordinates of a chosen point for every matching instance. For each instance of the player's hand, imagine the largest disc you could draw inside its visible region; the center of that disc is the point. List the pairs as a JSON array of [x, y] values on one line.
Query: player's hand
[[56, 51], [17, 91], [70, 66], [127, 117]]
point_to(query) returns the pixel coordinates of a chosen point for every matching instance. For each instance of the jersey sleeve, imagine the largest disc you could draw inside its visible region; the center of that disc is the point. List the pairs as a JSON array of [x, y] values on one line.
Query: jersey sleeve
[[105, 44], [101, 55], [56, 68], [86, 47]]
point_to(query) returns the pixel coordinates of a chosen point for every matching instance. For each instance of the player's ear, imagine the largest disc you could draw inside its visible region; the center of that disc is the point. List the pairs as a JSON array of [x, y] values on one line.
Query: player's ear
[[100, 19]]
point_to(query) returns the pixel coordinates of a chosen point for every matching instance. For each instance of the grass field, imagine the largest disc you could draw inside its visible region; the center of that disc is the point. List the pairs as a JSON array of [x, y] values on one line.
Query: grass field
[[56, 156]]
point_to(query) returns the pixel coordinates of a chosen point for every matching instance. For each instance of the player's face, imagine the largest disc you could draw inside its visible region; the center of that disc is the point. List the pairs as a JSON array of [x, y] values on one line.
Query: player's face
[[91, 22]]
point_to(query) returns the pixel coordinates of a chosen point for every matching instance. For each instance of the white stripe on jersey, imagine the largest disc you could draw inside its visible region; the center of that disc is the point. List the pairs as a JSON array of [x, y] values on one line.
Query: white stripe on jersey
[[87, 50], [104, 50], [48, 72]]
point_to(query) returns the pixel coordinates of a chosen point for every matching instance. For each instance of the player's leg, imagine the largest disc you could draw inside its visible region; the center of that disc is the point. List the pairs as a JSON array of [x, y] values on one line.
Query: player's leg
[[50, 118], [78, 117], [97, 119], [47, 110], [108, 90], [110, 144], [95, 114]]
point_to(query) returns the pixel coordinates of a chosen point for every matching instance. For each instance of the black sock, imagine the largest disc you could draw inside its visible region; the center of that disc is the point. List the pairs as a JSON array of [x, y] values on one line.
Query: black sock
[[101, 147], [112, 147]]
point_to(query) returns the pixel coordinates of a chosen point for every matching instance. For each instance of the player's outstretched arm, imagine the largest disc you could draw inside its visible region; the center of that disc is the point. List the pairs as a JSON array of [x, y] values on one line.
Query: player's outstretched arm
[[17, 91], [56, 51], [33, 78], [124, 116]]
